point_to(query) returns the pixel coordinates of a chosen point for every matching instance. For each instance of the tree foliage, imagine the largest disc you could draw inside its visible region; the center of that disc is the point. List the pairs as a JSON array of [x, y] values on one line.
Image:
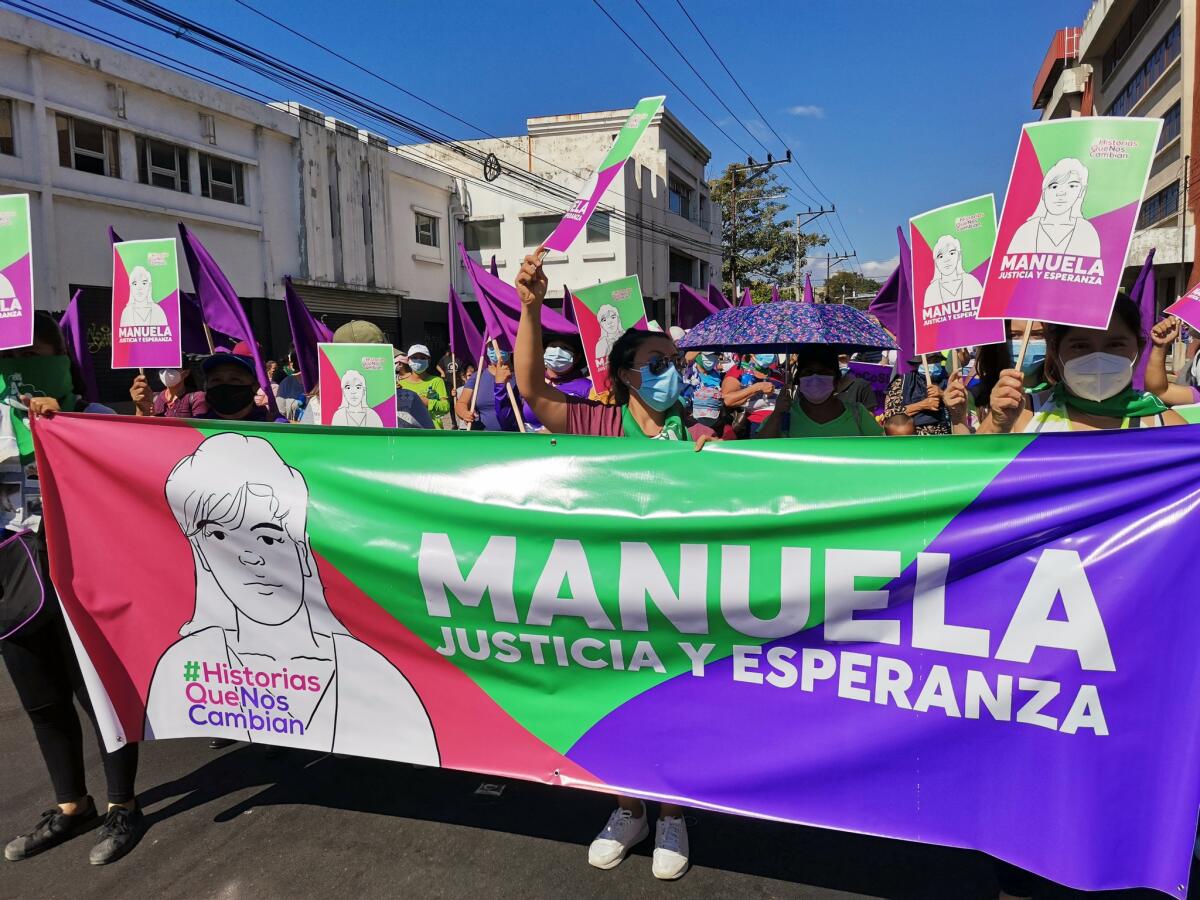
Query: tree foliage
[[752, 227], [849, 284]]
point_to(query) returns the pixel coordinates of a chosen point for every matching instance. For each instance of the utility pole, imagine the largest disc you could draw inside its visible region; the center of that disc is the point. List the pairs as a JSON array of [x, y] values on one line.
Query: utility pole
[[832, 260], [753, 169], [813, 215]]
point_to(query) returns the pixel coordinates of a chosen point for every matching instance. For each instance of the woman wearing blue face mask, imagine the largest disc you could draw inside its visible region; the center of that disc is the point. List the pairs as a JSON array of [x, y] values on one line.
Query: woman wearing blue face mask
[[563, 359], [429, 387], [492, 394], [646, 385], [818, 410], [754, 387]]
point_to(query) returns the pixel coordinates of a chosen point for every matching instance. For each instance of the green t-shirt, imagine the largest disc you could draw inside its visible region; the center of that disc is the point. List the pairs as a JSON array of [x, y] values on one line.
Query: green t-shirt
[[855, 421], [433, 389]]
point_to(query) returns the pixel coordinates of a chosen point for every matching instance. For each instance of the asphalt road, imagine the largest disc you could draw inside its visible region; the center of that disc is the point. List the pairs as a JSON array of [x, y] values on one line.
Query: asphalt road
[[233, 824]]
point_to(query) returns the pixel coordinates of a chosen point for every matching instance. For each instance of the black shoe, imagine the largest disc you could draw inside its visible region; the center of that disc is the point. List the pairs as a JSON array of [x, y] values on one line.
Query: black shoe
[[54, 827], [119, 834], [220, 743]]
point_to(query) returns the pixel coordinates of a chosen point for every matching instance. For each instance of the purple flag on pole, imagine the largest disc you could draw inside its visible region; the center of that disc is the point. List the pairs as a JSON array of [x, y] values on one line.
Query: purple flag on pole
[[568, 307], [222, 308], [716, 298], [747, 299], [775, 293], [892, 306], [501, 307], [1144, 294], [495, 268], [693, 308], [808, 292], [464, 336], [307, 332], [75, 338]]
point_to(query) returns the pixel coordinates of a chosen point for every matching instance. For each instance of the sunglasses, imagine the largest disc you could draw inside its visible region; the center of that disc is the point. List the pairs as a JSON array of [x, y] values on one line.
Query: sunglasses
[[659, 363]]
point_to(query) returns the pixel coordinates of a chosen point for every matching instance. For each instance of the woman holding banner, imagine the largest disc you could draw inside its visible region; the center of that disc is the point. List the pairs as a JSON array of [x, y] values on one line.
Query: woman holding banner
[[646, 386], [1090, 371]]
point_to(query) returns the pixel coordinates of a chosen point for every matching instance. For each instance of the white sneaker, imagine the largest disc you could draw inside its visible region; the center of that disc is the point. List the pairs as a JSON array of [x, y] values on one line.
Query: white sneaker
[[670, 848], [622, 833]]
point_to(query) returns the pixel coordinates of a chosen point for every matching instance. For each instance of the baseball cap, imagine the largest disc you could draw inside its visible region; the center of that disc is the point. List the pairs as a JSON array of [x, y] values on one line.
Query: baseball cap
[[417, 350], [359, 331], [677, 333], [237, 359]]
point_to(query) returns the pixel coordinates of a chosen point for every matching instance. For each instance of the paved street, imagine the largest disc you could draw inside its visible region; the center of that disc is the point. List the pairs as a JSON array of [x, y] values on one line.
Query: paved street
[[232, 824]]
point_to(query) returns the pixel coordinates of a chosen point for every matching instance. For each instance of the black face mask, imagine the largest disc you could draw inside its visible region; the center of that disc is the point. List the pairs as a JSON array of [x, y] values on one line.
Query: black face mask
[[230, 399]]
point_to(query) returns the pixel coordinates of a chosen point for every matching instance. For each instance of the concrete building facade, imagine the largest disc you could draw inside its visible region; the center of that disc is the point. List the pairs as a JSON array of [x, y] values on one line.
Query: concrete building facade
[[656, 220], [1138, 58]]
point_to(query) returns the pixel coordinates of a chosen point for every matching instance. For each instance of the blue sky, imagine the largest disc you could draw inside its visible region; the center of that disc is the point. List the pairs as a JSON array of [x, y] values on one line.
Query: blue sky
[[891, 108]]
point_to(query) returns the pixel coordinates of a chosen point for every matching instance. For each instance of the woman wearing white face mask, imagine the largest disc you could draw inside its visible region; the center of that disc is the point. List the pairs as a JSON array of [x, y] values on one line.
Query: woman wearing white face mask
[[179, 398], [1090, 371], [817, 410]]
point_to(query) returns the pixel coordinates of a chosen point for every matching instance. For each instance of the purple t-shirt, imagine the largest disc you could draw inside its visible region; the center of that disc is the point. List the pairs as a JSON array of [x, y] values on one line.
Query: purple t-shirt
[[189, 406]]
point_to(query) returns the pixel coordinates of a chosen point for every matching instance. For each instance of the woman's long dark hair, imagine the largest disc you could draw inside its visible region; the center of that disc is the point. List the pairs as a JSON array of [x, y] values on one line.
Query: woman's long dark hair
[[621, 358], [990, 361], [1125, 310]]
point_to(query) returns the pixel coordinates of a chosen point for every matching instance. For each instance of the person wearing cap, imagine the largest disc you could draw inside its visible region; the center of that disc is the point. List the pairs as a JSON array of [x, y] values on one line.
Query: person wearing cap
[[180, 397], [230, 388], [429, 387]]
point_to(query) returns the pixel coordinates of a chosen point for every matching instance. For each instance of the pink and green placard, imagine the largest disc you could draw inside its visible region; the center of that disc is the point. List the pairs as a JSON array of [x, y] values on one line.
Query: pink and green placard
[[1069, 213], [16, 272], [574, 220], [951, 249], [603, 313], [357, 384], [145, 305]]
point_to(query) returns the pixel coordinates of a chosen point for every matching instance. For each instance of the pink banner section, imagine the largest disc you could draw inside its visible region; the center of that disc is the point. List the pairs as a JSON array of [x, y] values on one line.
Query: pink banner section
[[1187, 308]]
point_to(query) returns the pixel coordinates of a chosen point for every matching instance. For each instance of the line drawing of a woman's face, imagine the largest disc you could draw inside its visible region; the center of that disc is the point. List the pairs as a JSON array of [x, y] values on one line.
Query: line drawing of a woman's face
[[609, 318], [1064, 186], [354, 389], [947, 256], [140, 286]]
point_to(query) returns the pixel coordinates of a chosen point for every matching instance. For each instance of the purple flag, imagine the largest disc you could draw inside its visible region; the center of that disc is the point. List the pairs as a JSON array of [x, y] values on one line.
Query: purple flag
[[693, 308], [307, 332], [568, 307], [495, 268], [1144, 294], [222, 308], [892, 306], [808, 292], [501, 307], [775, 293], [717, 299], [75, 337], [747, 299], [464, 336]]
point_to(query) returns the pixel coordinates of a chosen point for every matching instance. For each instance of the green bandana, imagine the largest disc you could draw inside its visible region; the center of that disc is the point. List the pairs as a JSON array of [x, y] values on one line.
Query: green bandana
[[38, 376], [672, 425], [1129, 404]]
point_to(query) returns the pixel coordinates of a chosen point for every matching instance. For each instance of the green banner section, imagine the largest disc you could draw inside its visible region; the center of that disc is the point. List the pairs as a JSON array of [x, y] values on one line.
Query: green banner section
[[14, 228]]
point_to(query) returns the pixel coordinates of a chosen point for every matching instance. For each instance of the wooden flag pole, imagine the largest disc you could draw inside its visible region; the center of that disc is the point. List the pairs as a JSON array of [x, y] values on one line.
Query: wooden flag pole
[[208, 337], [925, 366], [1019, 363], [512, 397], [478, 374]]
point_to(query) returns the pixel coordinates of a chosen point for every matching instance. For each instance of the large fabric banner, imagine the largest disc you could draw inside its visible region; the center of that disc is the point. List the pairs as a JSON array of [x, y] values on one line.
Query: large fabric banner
[[984, 642]]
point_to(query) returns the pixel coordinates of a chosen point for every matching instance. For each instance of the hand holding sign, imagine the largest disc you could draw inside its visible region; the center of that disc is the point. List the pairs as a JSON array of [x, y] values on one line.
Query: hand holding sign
[[1008, 396], [531, 280], [1165, 333], [955, 398]]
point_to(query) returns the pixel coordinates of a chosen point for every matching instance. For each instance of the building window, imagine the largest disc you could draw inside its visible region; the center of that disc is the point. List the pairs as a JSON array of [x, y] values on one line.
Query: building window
[[681, 199], [1164, 53], [8, 145], [427, 230], [482, 235], [598, 227], [162, 165], [681, 269], [1130, 29], [704, 223], [1157, 207], [1171, 122], [87, 146], [535, 229], [222, 179]]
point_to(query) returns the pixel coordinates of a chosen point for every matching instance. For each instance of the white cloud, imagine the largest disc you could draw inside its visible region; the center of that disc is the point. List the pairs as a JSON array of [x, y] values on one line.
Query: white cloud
[[880, 268], [810, 110]]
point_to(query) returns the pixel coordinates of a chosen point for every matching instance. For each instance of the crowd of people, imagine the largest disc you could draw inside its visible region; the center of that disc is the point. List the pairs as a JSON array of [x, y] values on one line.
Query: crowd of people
[[1071, 379]]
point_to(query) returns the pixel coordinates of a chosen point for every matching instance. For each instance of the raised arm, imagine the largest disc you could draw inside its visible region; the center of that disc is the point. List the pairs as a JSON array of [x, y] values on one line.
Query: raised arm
[[1161, 337], [548, 403]]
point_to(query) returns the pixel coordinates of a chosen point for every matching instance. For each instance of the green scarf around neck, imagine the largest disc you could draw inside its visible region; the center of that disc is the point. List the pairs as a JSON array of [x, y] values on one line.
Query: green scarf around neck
[[672, 424], [1129, 404]]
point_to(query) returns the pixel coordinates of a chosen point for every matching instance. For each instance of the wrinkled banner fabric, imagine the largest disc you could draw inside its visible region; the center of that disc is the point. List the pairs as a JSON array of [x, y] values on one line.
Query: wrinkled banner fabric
[[985, 643]]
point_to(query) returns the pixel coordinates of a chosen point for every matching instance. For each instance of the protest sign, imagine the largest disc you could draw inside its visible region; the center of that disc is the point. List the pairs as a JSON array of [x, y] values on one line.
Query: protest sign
[[357, 385], [1069, 212], [1187, 308], [574, 220], [145, 305], [604, 312], [916, 648], [951, 248], [16, 272], [878, 376]]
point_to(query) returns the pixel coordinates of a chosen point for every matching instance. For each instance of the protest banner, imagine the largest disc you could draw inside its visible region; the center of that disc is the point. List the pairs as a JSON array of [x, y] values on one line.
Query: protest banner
[[951, 248], [1069, 212], [575, 219], [948, 643], [145, 305], [1187, 308], [357, 385], [16, 272], [604, 312], [878, 376]]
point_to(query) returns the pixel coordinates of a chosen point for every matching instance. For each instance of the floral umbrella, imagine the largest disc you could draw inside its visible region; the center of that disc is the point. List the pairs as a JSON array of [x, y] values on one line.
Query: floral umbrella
[[780, 327]]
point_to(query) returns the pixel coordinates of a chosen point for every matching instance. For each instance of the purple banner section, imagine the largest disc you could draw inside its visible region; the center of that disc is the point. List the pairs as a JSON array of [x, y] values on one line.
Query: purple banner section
[[878, 376], [16, 306], [1039, 708]]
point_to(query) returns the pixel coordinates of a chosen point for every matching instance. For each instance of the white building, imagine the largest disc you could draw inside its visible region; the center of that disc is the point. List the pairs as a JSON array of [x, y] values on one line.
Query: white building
[[98, 137], [656, 220]]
